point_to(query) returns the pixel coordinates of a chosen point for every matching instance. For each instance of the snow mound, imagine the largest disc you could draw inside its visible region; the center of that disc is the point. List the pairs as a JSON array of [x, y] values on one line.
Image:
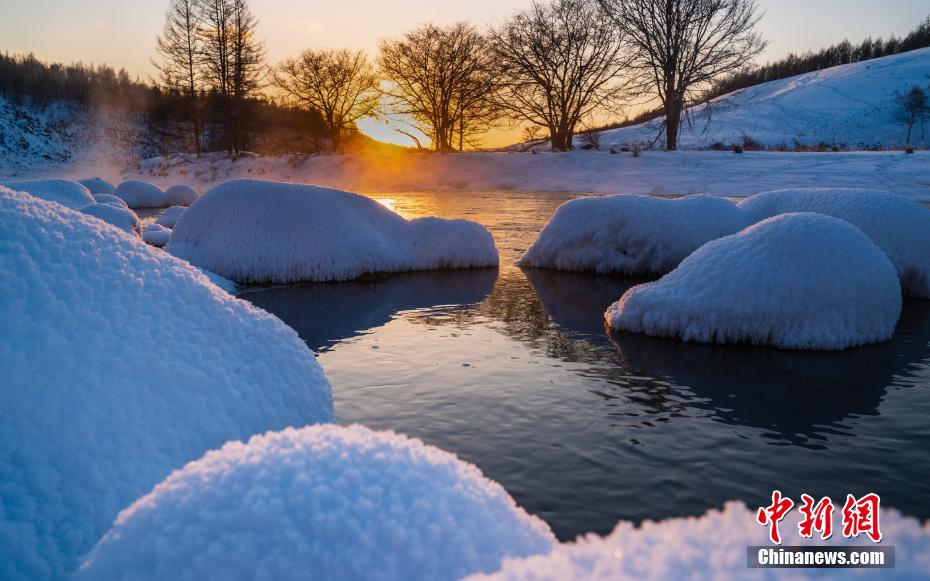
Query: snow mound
[[260, 231], [180, 195], [898, 225], [796, 281], [66, 192], [119, 216], [120, 364], [324, 502], [110, 199], [712, 546], [98, 186], [631, 234], [156, 235], [169, 217], [139, 194]]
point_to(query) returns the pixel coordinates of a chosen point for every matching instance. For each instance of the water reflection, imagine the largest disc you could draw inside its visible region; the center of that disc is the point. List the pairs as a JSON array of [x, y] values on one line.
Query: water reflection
[[325, 313]]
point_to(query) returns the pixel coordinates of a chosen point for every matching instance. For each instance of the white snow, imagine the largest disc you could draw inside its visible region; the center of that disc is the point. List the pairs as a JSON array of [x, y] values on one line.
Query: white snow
[[324, 502], [712, 546], [796, 281], [119, 216], [899, 226], [180, 195], [259, 231], [141, 194], [120, 364], [169, 217], [98, 186], [631, 234], [110, 199], [156, 235], [68, 193], [850, 106]]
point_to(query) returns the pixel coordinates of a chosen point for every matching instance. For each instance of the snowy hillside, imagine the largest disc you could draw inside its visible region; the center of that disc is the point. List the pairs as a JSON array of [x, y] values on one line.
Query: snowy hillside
[[849, 106]]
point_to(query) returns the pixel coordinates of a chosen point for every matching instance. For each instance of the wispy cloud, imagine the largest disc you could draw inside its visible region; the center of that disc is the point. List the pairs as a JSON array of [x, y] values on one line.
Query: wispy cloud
[[307, 25]]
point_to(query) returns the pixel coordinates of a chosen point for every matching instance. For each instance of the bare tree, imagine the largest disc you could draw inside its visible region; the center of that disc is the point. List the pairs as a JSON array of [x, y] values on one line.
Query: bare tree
[[910, 107], [442, 78], [178, 62], [233, 61], [559, 62], [681, 46], [340, 84]]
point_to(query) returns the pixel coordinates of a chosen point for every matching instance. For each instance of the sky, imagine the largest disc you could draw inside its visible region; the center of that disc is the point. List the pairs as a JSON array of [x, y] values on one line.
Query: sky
[[122, 33]]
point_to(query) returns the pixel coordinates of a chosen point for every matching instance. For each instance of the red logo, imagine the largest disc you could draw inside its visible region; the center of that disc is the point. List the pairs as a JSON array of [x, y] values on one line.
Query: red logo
[[859, 516]]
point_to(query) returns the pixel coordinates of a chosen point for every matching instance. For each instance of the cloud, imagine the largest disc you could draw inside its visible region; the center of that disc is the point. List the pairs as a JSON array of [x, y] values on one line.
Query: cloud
[[307, 25]]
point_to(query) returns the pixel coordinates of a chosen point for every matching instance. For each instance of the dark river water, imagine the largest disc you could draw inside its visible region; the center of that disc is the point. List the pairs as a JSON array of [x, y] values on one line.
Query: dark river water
[[513, 370]]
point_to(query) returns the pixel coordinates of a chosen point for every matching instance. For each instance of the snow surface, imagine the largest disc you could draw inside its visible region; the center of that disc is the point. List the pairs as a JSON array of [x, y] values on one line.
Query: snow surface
[[258, 231], [156, 235], [631, 234], [712, 546], [654, 172], [169, 217], [119, 216], [180, 195], [796, 281], [66, 192], [850, 106], [323, 502], [141, 194], [899, 226], [98, 186], [120, 364], [110, 199]]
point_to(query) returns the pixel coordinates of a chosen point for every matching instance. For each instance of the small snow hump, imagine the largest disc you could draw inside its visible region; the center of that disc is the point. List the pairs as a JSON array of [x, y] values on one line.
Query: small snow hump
[[180, 195], [898, 225], [120, 364], [69, 194], [255, 231], [98, 186], [630, 234], [140, 194], [323, 502], [119, 216], [796, 281]]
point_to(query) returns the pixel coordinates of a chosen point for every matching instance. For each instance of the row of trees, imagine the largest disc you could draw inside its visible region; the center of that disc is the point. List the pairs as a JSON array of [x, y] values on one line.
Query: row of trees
[[838, 54], [552, 65]]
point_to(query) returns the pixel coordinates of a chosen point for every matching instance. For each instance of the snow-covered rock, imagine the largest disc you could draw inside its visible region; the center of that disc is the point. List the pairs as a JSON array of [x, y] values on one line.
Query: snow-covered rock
[[712, 546], [180, 195], [260, 231], [110, 199], [324, 502], [68, 193], [119, 216], [140, 194], [156, 235], [169, 217], [797, 281], [898, 225], [98, 186], [120, 364], [631, 234]]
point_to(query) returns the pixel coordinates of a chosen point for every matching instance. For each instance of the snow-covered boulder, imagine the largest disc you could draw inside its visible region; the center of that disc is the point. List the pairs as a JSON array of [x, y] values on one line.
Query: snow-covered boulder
[[324, 502], [170, 216], [139, 194], [68, 193], [260, 231], [712, 546], [98, 186], [630, 234], [796, 281], [898, 225], [120, 364], [110, 199], [119, 216], [156, 235], [180, 195]]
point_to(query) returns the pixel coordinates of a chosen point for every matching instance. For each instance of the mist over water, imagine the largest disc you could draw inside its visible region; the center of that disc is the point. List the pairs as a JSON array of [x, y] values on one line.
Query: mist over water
[[512, 369]]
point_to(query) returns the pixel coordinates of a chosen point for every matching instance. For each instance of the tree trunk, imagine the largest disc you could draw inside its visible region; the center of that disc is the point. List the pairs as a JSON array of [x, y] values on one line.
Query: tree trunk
[[672, 124]]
